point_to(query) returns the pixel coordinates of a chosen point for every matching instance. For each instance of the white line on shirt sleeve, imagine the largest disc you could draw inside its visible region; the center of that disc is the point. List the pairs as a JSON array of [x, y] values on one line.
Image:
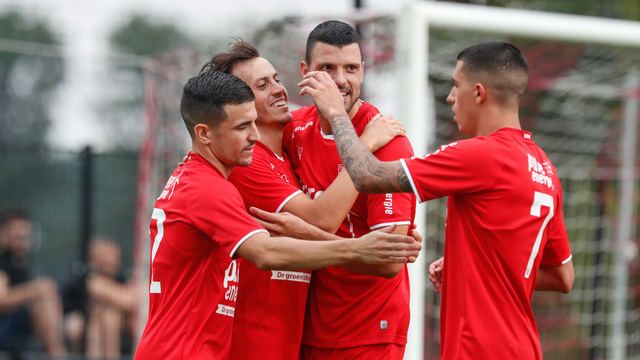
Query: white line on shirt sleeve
[[285, 201], [567, 259], [413, 185], [244, 238], [381, 225]]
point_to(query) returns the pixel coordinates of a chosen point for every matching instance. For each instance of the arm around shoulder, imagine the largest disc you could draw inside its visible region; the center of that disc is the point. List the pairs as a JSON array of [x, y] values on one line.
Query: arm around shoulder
[[292, 254]]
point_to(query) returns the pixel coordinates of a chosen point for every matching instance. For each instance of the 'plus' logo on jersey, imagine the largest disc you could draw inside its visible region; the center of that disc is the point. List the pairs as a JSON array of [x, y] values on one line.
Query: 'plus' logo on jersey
[[537, 170]]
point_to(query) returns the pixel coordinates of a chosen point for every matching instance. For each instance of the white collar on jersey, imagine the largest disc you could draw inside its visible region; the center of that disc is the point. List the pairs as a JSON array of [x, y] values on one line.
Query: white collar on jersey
[[325, 136]]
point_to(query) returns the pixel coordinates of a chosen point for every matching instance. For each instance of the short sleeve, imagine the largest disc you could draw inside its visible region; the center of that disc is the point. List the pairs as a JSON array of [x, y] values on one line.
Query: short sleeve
[[218, 211], [391, 208], [460, 167], [263, 186]]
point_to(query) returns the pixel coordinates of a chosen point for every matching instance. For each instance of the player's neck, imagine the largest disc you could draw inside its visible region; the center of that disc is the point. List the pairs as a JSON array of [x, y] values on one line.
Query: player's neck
[[325, 125], [497, 119], [206, 153], [271, 137]]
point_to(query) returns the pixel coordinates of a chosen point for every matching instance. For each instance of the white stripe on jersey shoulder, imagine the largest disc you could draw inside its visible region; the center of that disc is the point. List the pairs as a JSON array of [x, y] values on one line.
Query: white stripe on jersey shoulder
[[381, 225], [413, 185], [285, 201], [326, 136], [244, 238], [567, 259]]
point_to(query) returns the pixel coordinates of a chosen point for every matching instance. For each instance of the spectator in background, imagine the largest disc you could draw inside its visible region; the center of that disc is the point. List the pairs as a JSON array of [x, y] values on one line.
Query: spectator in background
[[27, 304], [97, 303]]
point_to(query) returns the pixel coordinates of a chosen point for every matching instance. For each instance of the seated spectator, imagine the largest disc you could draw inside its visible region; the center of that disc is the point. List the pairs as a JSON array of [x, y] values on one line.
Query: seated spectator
[[97, 302], [27, 304]]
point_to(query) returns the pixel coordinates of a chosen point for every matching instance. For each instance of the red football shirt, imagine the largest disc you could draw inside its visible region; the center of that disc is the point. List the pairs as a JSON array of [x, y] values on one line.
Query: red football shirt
[[198, 222], [504, 218], [346, 309], [271, 303]]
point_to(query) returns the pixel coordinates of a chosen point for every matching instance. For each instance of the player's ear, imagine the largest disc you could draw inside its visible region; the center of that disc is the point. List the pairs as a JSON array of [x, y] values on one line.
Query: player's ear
[[304, 68], [202, 133], [480, 93]]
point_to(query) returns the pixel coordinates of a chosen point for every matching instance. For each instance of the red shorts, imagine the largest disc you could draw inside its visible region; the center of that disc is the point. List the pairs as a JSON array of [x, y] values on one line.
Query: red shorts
[[367, 352]]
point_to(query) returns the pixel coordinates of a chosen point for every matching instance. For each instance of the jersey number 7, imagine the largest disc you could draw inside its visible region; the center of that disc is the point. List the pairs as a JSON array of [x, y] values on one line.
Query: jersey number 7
[[539, 200], [160, 217]]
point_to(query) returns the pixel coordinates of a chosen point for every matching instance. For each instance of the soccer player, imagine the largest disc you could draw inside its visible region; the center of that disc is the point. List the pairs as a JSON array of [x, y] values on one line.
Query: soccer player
[[378, 308], [271, 303], [505, 234], [199, 227]]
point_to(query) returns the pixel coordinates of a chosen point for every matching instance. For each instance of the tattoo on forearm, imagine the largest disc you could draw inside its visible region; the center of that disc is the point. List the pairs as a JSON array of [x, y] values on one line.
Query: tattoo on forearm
[[365, 169]]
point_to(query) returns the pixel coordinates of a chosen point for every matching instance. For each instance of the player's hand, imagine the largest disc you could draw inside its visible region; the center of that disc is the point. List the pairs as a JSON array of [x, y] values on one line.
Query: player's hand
[[435, 273], [381, 247], [415, 234], [324, 92], [380, 130], [284, 224]]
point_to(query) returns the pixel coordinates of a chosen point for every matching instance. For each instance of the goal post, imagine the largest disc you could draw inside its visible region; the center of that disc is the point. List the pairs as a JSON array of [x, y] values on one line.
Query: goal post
[[417, 109]]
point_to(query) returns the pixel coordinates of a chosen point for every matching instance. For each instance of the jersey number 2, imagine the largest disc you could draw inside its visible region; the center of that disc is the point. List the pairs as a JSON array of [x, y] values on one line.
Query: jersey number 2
[[539, 200], [159, 216]]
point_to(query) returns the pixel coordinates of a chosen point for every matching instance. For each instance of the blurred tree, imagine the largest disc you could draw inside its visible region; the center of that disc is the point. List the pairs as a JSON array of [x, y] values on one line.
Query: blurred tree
[[123, 105], [142, 36], [26, 80]]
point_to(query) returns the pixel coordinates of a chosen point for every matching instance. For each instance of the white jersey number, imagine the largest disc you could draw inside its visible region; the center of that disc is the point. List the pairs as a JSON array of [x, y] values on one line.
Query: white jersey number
[[160, 217], [539, 200]]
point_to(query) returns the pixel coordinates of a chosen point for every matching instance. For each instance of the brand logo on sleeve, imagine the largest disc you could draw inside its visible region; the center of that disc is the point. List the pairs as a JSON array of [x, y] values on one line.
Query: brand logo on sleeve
[[388, 203]]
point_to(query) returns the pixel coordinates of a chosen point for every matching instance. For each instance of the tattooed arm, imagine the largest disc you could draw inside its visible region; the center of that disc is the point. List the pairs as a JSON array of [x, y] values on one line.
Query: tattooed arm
[[368, 174]]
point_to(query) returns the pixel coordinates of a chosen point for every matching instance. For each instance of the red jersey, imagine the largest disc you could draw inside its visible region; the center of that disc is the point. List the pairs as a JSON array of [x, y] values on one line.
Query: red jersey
[[198, 222], [504, 219], [347, 309], [271, 303]]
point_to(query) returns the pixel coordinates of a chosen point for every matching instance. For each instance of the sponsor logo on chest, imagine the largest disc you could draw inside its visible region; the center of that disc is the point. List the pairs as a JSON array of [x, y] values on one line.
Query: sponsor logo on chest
[[539, 173]]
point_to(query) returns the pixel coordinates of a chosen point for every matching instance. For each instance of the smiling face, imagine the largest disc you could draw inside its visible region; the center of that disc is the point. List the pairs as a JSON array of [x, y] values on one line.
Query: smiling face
[[271, 96], [462, 99], [345, 66], [232, 141]]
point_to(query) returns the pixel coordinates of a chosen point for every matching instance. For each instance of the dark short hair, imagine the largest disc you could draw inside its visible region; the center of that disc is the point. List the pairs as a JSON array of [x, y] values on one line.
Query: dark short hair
[[332, 32], [205, 95], [500, 65], [10, 215], [238, 52]]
